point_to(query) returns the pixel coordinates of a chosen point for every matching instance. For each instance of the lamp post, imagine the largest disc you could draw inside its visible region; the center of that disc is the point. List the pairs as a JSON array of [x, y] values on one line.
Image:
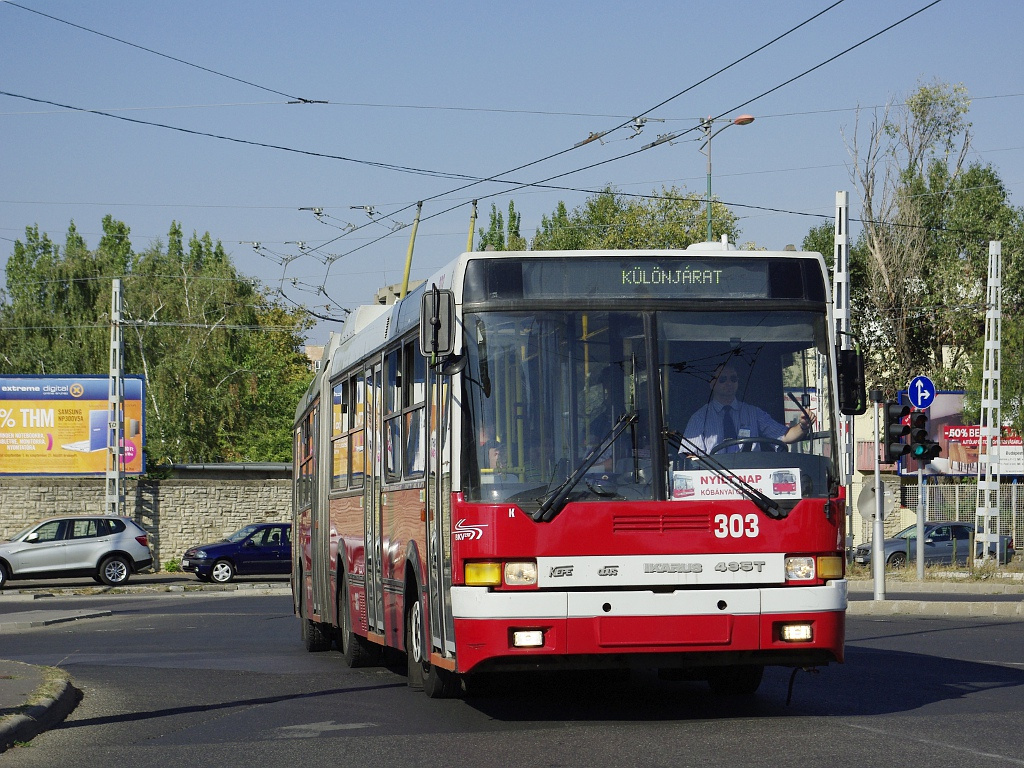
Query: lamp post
[[706, 126]]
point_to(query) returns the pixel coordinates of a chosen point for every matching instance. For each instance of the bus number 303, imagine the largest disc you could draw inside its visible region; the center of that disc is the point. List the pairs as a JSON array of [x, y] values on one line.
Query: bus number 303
[[735, 526]]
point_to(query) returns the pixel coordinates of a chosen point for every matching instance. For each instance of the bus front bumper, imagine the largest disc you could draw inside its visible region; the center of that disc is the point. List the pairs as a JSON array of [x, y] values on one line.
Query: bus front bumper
[[789, 626]]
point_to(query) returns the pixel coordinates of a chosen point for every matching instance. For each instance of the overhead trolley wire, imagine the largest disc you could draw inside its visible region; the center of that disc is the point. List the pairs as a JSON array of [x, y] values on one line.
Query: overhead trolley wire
[[295, 99], [523, 185]]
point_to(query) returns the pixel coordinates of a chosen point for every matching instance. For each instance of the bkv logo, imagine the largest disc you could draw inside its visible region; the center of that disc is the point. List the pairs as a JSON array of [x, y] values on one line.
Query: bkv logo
[[463, 531], [560, 571]]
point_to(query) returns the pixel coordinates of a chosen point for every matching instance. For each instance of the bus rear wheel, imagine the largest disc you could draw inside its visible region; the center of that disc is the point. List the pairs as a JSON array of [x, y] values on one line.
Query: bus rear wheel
[[355, 649]]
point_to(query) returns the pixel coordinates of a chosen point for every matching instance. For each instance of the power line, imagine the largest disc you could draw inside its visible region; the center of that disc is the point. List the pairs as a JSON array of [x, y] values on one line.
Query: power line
[[296, 99], [310, 153], [677, 135], [472, 180], [521, 185]]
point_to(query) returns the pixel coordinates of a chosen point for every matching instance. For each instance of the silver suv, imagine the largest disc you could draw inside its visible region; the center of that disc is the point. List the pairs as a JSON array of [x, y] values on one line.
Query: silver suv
[[106, 547]]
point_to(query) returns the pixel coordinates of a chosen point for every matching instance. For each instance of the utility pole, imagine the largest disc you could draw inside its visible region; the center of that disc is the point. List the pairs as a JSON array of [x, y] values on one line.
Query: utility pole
[[878, 534], [115, 408], [844, 340]]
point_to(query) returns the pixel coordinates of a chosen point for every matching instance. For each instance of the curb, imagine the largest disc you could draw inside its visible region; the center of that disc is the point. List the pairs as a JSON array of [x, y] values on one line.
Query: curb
[[29, 619], [936, 608], [261, 588], [42, 715]]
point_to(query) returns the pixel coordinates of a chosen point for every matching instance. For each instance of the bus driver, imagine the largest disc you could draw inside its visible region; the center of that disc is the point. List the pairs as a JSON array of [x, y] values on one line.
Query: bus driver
[[726, 418]]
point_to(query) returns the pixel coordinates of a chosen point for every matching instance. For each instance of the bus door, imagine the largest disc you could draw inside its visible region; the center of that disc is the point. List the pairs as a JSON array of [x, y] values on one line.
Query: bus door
[[439, 553], [371, 502], [320, 535]]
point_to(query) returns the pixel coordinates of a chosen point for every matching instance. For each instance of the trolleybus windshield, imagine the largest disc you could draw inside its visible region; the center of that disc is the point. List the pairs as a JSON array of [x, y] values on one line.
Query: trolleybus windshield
[[542, 389]]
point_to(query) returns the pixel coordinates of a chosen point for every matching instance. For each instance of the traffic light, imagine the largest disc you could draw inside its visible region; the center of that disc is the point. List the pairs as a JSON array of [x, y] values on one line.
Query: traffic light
[[922, 449], [893, 429]]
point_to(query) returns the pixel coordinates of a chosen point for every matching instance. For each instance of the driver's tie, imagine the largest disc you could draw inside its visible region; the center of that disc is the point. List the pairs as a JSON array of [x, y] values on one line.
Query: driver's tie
[[728, 425]]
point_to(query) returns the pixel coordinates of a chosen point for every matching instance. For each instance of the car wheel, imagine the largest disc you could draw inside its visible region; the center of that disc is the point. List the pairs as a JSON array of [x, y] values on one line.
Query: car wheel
[[897, 560], [3, 576], [115, 571], [222, 572]]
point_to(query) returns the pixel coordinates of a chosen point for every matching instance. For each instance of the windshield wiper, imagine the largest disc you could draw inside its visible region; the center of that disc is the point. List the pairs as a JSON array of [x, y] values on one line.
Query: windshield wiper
[[555, 501], [766, 504]]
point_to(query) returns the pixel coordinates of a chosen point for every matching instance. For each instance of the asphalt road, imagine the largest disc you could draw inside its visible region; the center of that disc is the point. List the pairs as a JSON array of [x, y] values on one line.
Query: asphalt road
[[221, 678]]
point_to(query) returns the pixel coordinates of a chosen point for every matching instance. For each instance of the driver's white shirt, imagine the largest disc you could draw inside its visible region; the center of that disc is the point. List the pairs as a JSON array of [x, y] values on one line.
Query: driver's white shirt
[[705, 430]]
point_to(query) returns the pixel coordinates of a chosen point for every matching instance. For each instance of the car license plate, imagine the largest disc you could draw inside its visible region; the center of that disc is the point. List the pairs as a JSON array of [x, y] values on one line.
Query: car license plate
[[184, 563], [861, 560]]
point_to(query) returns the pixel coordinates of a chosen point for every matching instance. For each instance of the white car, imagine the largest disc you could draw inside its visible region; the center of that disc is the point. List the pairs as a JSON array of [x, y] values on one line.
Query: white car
[[106, 547]]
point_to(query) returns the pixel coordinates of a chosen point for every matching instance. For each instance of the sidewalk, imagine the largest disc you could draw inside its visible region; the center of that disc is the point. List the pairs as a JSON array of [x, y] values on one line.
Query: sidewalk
[[34, 699], [953, 597]]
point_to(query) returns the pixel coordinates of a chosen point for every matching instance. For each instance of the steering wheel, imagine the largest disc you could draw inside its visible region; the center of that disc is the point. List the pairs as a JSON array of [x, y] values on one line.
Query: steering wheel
[[772, 444]]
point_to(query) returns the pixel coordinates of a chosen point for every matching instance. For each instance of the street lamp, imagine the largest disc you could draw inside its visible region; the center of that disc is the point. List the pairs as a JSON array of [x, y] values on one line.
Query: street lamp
[[706, 126]]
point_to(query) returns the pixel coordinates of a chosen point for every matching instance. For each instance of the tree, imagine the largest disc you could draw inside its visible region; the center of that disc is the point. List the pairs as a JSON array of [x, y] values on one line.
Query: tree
[[928, 216], [58, 304], [891, 170], [221, 360], [497, 237], [609, 220], [217, 354]]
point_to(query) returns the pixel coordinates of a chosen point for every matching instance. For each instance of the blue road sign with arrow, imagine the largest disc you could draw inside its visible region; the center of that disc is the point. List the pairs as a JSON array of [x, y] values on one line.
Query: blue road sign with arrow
[[921, 392]]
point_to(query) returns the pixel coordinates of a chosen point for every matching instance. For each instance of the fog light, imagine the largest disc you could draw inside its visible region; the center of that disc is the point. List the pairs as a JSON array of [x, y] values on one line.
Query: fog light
[[521, 574], [796, 633], [830, 567], [799, 568], [483, 574], [527, 638]]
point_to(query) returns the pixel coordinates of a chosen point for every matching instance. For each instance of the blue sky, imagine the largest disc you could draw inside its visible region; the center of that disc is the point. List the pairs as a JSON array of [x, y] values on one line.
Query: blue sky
[[458, 90]]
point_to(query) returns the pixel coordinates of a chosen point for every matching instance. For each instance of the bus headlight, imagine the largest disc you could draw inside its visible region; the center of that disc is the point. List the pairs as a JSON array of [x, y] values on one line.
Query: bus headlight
[[521, 574], [799, 568]]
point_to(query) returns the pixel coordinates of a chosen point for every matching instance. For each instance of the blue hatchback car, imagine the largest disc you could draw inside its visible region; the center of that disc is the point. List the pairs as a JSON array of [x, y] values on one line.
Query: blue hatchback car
[[260, 548]]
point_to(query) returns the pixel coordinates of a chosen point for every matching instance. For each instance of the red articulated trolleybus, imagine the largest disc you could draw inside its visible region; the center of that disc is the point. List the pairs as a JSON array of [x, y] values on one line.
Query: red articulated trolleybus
[[500, 471]]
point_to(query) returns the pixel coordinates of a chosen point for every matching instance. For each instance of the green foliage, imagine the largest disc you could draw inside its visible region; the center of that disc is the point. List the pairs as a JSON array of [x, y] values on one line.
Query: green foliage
[[497, 237], [173, 566], [222, 361], [609, 220], [919, 271]]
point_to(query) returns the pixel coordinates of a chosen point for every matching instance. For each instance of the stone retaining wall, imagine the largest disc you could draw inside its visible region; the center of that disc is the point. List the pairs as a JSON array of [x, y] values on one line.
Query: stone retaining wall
[[178, 512]]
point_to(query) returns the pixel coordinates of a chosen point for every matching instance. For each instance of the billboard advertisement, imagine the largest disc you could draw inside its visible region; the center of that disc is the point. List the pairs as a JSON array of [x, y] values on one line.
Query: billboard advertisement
[[58, 425], [960, 441]]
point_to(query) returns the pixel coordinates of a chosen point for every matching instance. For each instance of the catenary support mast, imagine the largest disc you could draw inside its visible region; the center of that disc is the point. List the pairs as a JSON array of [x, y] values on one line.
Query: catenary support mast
[[115, 409], [991, 411], [841, 305]]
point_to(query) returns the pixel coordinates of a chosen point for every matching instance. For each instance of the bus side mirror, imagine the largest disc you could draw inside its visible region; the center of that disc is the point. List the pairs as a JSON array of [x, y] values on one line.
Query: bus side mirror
[[437, 322], [853, 399]]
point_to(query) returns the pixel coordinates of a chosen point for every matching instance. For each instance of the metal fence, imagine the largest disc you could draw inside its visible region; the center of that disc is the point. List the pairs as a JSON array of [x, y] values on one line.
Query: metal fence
[[958, 501]]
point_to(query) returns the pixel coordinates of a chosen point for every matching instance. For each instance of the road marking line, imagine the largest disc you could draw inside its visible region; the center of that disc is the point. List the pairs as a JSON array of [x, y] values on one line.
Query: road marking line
[[942, 744]]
